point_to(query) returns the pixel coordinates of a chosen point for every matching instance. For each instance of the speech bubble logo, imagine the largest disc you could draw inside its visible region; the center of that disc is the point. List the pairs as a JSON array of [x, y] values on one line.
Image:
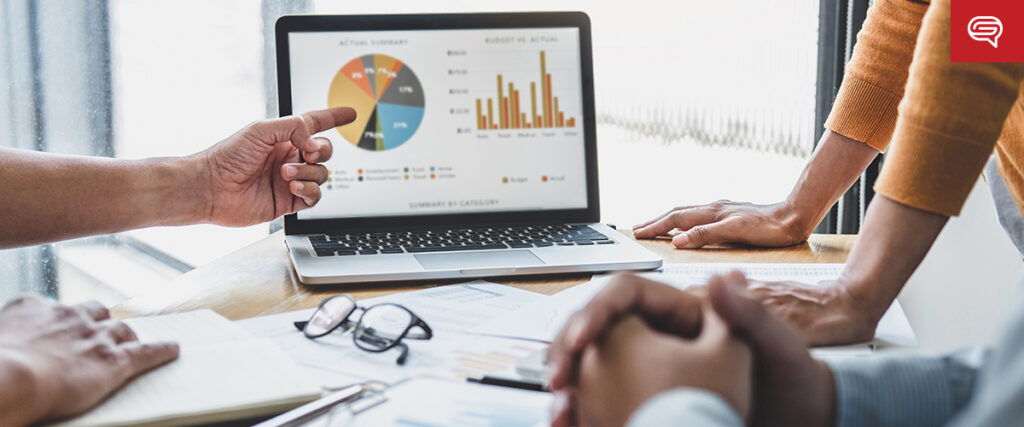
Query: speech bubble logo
[[985, 29]]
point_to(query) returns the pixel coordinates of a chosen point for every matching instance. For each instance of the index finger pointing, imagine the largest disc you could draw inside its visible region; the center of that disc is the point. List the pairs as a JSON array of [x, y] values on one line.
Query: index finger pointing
[[94, 310], [322, 120]]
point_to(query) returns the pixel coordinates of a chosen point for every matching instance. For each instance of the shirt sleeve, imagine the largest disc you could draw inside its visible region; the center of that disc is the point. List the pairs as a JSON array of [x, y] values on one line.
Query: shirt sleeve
[[866, 105], [902, 390], [685, 407], [949, 120]]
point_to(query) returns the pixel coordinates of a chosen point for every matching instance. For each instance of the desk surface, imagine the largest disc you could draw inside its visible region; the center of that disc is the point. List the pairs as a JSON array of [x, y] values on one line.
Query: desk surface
[[259, 280]]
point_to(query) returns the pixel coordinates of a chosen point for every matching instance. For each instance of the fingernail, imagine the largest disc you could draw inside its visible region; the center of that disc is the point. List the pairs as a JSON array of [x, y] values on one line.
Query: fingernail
[[313, 158], [308, 202], [551, 369], [290, 171], [575, 330], [682, 239], [558, 404]]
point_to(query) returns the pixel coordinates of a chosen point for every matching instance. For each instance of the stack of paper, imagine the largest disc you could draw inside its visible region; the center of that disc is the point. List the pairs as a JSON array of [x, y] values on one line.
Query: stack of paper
[[542, 321], [452, 354], [432, 403]]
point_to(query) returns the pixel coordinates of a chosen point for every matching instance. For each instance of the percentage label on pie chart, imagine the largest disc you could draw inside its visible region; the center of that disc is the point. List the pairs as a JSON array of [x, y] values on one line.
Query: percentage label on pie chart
[[387, 97]]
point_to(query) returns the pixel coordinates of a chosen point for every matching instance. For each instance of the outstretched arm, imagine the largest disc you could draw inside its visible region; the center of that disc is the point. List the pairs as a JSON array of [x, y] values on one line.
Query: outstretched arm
[[949, 122], [252, 176], [859, 126], [835, 165]]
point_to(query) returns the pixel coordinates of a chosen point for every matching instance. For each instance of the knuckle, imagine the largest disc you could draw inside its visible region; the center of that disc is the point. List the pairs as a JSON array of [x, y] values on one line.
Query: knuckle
[[297, 122], [699, 233], [677, 216], [105, 351], [26, 299], [66, 312], [258, 126], [100, 309], [621, 279], [121, 329]]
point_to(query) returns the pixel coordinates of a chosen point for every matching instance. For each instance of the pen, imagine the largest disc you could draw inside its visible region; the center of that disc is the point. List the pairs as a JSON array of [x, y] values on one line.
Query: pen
[[508, 382]]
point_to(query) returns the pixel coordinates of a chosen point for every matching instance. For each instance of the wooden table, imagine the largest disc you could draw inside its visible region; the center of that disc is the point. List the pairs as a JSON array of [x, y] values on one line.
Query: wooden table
[[259, 279]]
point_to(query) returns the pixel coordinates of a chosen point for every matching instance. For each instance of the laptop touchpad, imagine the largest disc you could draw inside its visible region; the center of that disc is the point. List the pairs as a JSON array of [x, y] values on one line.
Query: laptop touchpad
[[464, 260]]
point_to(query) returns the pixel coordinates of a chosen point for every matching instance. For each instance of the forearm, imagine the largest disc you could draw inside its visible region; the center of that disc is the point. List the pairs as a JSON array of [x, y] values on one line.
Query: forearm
[[834, 167], [894, 240], [51, 197]]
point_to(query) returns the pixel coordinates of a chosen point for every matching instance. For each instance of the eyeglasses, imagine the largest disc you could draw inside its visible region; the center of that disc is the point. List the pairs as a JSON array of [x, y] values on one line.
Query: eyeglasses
[[380, 327]]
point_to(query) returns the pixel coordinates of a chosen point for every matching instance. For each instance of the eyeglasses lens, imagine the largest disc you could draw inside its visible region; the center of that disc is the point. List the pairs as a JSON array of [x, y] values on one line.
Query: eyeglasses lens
[[382, 326], [330, 314]]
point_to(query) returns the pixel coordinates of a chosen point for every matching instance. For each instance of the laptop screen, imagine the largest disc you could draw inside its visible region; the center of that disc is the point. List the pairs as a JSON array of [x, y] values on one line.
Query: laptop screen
[[449, 121]]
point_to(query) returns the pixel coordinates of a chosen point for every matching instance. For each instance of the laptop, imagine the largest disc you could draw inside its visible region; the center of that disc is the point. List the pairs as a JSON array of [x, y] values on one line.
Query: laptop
[[473, 155]]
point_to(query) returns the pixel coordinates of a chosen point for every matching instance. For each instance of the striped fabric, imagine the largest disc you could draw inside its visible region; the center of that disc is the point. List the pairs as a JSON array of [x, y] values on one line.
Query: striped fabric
[[903, 389]]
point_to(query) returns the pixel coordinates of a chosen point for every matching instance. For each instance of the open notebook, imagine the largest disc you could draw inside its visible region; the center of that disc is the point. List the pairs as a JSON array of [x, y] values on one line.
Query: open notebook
[[223, 373]]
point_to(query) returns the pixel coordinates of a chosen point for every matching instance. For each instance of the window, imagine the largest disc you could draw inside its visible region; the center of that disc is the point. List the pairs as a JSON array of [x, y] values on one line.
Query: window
[[696, 101]]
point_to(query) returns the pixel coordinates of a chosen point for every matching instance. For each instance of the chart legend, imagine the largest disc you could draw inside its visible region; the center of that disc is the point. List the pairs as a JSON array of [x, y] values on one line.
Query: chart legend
[[387, 97], [507, 111]]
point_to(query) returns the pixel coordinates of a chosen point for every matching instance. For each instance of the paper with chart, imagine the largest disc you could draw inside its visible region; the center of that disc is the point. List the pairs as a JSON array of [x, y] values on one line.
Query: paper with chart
[[541, 322], [432, 403], [451, 354]]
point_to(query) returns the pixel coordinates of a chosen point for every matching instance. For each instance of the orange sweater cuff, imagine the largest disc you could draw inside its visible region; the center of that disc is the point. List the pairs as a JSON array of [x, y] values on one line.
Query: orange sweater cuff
[[864, 112], [930, 170]]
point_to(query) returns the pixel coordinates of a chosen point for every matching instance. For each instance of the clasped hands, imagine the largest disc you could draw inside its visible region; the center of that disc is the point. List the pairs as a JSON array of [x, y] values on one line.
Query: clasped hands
[[638, 338]]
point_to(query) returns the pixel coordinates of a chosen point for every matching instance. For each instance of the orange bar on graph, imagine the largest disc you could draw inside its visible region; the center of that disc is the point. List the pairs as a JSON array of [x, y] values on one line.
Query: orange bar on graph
[[504, 112], [490, 113], [549, 110], [561, 119], [511, 106], [519, 122], [479, 115], [557, 122], [501, 103], [571, 122]]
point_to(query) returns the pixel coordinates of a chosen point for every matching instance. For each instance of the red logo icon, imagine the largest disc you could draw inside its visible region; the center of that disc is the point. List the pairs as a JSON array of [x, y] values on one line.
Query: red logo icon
[[987, 31]]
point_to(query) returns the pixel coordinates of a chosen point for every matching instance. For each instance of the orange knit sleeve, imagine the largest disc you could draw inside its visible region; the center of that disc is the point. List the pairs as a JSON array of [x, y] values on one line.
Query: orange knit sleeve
[[866, 105], [949, 121]]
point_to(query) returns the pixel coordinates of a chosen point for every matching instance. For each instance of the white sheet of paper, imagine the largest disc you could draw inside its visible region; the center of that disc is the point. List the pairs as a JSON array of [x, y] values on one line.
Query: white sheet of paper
[[542, 321], [433, 403], [449, 310], [461, 307], [193, 328]]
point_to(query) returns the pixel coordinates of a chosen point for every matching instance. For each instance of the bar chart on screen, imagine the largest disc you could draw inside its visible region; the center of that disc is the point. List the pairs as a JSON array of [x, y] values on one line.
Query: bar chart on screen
[[511, 110]]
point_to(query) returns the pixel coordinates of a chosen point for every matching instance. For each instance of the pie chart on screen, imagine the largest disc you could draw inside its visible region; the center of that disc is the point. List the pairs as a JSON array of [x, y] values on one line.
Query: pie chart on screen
[[387, 97]]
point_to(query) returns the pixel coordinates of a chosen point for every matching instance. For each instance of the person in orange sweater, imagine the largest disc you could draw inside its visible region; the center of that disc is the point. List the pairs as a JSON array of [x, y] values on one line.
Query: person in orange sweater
[[724, 359], [942, 126]]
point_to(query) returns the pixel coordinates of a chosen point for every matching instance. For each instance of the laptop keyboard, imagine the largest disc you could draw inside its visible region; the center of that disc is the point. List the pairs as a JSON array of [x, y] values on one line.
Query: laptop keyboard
[[462, 239]]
